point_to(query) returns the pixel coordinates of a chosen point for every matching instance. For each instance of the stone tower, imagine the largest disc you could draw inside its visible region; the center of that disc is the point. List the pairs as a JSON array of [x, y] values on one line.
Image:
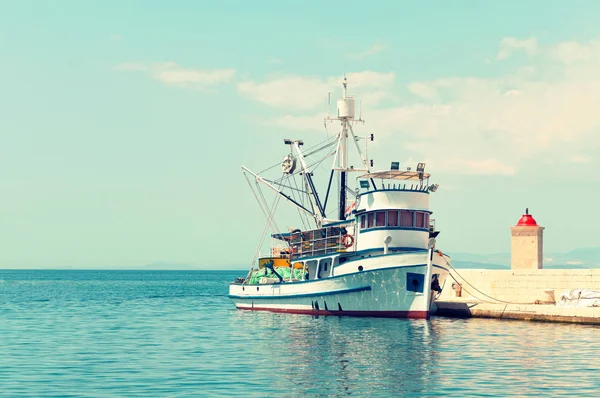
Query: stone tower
[[527, 243]]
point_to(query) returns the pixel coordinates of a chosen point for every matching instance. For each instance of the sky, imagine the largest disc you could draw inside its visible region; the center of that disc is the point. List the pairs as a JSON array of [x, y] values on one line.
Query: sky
[[123, 124]]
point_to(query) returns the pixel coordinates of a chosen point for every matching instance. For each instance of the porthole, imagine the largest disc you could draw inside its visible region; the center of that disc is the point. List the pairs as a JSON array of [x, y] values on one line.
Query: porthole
[[360, 268], [257, 288]]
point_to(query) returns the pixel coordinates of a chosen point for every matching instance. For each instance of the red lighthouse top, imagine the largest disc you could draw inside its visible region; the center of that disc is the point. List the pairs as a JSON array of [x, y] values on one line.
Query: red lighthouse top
[[527, 220]]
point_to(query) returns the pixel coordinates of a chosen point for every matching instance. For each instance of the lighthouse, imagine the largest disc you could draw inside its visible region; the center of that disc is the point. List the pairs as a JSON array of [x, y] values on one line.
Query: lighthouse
[[527, 243]]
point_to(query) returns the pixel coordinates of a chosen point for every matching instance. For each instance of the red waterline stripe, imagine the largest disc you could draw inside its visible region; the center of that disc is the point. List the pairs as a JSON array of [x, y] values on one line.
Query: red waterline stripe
[[378, 314]]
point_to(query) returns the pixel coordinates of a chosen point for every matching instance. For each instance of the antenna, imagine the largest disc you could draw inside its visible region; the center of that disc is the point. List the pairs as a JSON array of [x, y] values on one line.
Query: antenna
[[328, 103], [360, 112]]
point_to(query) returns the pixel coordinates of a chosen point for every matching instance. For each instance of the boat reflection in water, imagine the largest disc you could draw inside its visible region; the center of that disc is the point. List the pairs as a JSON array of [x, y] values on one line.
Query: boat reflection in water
[[345, 355]]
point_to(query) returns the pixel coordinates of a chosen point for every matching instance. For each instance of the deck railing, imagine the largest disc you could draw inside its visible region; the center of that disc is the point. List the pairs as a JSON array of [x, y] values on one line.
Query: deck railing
[[320, 242]]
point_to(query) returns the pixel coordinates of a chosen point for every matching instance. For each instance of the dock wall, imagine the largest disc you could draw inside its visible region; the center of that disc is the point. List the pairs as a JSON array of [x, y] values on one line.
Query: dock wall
[[519, 286], [518, 294]]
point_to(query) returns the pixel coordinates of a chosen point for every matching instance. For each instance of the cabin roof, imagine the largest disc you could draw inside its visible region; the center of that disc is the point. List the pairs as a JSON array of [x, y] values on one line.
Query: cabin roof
[[396, 175]]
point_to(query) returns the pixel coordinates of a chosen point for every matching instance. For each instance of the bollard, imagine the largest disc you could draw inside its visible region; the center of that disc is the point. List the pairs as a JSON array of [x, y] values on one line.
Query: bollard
[[457, 289]]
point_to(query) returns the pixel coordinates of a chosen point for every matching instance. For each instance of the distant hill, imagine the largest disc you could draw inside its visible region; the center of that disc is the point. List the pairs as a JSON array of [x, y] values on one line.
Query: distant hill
[[165, 265], [588, 257], [483, 261]]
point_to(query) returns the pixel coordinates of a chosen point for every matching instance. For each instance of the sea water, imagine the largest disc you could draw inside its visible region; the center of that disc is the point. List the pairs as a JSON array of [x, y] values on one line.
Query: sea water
[[176, 334]]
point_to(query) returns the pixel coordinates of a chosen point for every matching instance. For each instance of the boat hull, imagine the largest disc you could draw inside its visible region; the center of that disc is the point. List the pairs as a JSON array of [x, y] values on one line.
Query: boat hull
[[397, 291]]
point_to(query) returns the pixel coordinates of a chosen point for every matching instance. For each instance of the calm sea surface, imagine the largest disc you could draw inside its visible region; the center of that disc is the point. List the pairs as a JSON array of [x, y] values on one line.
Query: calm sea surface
[[152, 333]]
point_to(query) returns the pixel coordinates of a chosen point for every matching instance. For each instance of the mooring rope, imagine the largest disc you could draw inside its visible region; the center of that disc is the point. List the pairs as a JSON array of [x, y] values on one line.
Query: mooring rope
[[475, 288]]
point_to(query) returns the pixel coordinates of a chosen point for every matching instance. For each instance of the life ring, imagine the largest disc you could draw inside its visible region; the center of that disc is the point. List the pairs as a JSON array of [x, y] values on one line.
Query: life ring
[[347, 240]]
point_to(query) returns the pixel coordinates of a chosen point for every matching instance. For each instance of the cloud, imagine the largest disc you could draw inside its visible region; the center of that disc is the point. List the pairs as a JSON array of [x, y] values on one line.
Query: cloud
[[577, 158], [372, 99], [571, 51], [491, 126], [567, 52], [172, 74], [374, 49], [510, 45], [298, 123], [115, 37], [298, 93], [500, 110], [424, 90], [367, 79]]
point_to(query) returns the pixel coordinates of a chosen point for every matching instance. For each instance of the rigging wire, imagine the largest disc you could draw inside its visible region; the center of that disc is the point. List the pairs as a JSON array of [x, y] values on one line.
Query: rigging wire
[[256, 196], [266, 229], [313, 161], [270, 221], [305, 198], [303, 216], [296, 194], [309, 149], [298, 189], [303, 194], [281, 184], [324, 146], [274, 224], [283, 181], [317, 163]]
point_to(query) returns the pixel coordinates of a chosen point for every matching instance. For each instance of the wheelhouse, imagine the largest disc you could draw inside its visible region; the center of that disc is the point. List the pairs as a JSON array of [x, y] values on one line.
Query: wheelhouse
[[394, 213]]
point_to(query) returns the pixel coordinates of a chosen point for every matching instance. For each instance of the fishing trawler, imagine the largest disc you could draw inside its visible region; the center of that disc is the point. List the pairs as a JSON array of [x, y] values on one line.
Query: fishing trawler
[[375, 256]]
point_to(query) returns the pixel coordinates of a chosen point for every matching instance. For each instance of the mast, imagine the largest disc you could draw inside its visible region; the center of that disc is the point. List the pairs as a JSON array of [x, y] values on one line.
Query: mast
[[344, 153], [345, 114]]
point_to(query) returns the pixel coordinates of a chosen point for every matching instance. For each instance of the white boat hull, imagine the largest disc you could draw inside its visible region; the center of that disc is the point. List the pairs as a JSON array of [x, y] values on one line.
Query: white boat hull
[[387, 286]]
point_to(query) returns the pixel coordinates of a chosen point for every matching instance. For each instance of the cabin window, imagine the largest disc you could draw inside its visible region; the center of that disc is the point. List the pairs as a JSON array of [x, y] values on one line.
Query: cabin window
[[406, 218], [371, 220], [420, 220], [392, 218], [380, 219], [363, 221], [426, 215]]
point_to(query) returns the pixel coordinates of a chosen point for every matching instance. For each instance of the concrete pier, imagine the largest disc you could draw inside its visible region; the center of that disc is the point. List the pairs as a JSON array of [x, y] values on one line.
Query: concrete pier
[[518, 294], [531, 312]]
